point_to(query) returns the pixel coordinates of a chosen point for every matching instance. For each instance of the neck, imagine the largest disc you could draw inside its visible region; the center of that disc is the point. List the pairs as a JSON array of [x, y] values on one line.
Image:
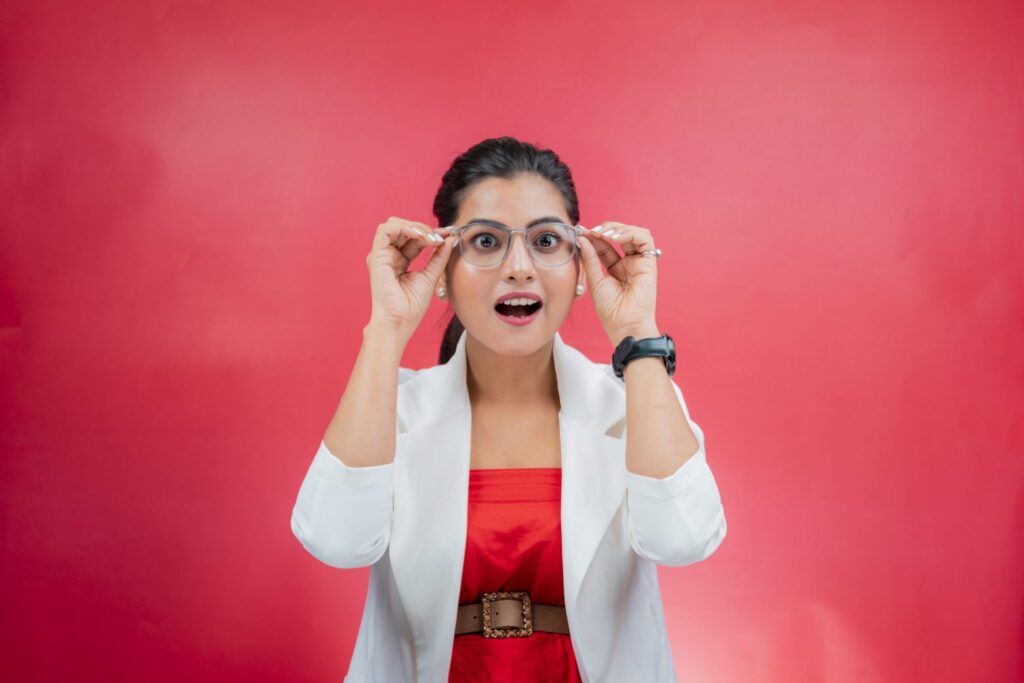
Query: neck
[[495, 379]]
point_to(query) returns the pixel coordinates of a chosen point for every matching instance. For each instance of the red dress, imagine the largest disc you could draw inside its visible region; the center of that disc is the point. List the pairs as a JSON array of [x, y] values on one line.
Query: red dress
[[514, 542]]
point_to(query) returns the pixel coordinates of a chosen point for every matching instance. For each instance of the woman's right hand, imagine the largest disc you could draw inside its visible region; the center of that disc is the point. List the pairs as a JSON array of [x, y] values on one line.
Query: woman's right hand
[[401, 297]]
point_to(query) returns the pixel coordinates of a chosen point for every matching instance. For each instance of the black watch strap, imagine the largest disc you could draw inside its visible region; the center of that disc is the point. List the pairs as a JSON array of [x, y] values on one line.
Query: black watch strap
[[631, 348]]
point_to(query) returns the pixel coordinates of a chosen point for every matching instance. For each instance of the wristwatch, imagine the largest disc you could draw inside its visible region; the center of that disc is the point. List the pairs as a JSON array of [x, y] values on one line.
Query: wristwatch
[[631, 347]]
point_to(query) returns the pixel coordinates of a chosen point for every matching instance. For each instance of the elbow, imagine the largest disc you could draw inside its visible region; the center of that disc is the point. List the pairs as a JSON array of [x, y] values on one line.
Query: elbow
[[685, 544], [342, 515], [707, 543], [339, 550], [677, 520]]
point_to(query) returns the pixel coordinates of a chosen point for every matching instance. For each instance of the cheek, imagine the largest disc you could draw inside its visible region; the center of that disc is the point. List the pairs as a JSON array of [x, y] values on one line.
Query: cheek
[[562, 291], [456, 273], [469, 287]]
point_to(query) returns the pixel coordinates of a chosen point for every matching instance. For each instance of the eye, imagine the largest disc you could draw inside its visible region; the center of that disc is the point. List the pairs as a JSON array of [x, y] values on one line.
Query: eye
[[488, 241], [548, 239]]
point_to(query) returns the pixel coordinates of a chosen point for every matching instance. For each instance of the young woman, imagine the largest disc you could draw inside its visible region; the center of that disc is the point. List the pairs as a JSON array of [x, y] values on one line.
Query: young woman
[[514, 500]]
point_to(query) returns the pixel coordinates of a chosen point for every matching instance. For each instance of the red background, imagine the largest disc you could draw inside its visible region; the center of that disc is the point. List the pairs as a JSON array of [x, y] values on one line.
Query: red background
[[189, 192]]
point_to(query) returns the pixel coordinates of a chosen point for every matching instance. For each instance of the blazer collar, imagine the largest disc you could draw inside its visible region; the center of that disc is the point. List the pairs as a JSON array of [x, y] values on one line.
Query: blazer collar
[[588, 392]]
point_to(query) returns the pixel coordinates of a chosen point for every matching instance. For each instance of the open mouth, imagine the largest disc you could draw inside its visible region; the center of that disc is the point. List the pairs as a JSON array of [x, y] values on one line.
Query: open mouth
[[517, 311]]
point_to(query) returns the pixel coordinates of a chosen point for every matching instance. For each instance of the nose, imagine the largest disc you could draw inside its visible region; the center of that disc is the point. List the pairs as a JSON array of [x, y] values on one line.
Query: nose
[[519, 261]]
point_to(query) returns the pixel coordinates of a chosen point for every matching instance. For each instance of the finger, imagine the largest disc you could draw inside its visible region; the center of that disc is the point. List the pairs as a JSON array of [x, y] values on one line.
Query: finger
[[606, 232], [444, 233], [419, 237], [434, 238], [422, 239], [605, 251], [631, 238], [429, 236], [388, 234], [591, 262], [437, 237], [398, 234], [394, 233], [410, 250], [412, 243], [435, 266]]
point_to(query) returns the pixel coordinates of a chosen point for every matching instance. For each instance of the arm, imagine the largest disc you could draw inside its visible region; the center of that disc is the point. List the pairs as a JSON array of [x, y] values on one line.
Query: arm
[[342, 515], [675, 509]]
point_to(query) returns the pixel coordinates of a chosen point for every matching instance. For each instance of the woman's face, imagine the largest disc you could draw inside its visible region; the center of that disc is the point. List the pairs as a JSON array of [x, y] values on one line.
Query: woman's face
[[474, 291]]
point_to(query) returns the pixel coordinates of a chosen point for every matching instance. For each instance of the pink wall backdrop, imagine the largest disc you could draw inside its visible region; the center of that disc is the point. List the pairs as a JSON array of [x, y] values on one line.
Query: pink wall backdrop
[[189, 191]]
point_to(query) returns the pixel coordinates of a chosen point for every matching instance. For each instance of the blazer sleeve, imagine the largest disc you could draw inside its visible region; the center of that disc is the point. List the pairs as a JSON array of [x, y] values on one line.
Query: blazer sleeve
[[342, 515], [679, 519]]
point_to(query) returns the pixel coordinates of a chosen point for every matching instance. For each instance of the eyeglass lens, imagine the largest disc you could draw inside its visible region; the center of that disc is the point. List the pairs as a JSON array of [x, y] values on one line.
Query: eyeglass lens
[[551, 244]]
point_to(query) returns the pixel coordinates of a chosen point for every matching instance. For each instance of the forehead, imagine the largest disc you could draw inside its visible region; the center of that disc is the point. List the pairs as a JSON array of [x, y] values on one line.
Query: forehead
[[513, 201]]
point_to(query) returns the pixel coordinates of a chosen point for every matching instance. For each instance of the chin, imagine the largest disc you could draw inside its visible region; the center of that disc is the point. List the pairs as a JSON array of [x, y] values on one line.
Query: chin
[[517, 342], [525, 345]]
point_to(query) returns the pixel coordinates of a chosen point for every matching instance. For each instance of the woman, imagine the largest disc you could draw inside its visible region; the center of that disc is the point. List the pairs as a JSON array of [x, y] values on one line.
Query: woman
[[514, 500]]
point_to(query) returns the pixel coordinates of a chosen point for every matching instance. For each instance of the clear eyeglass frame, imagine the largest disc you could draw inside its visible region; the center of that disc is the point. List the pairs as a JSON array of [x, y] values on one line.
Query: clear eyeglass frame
[[574, 230]]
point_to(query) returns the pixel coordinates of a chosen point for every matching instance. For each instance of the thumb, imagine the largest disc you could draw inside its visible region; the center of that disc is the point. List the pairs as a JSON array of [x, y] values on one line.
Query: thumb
[[591, 262], [438, 259]]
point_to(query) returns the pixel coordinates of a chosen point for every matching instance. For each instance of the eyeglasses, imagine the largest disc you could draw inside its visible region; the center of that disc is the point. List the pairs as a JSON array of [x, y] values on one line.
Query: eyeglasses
[[486, 243]]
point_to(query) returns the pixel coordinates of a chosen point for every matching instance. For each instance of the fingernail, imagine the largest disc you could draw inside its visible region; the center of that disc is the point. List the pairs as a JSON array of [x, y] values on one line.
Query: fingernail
[[598, 228]]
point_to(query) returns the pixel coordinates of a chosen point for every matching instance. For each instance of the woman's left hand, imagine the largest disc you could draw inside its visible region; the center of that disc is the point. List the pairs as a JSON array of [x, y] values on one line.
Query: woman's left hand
[[624, 297]]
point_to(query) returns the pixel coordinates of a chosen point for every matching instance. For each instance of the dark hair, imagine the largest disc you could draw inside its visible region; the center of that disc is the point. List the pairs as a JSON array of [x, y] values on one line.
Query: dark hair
[[503, 157]]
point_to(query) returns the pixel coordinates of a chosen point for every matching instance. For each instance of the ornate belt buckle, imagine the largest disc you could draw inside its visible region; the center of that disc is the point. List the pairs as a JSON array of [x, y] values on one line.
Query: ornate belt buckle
[[508, 631]]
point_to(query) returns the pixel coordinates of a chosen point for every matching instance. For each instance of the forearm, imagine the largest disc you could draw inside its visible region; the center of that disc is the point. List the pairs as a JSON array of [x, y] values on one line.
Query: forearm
[[677, 520], [658, 436], [675, 509], [362, 431]]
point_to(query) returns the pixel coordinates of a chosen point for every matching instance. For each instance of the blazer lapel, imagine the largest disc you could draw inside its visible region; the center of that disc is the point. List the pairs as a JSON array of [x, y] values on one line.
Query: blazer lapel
[[428, 540], [593, 460]]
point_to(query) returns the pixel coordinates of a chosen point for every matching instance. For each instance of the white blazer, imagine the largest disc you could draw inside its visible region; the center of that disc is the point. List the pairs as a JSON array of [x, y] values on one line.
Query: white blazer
[[408, 520]]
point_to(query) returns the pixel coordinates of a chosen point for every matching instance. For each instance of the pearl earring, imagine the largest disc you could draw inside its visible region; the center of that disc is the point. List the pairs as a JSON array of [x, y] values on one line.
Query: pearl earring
[[440, 292], [579, 290]]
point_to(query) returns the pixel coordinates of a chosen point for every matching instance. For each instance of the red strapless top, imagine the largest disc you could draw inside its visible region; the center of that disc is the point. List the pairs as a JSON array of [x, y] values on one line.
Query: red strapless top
[[514, 543]]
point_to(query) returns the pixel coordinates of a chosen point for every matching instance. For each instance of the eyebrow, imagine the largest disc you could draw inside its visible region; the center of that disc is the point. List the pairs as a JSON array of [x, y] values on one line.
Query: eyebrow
[[537, 221]]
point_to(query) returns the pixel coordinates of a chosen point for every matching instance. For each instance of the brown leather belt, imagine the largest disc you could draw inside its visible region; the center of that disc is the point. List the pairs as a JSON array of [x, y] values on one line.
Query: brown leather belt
[[510, 614]]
